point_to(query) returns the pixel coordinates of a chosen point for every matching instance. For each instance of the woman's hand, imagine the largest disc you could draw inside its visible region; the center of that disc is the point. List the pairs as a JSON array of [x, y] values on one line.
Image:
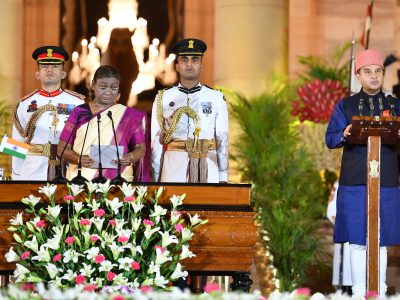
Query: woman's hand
[[126, 160], [86, 161]]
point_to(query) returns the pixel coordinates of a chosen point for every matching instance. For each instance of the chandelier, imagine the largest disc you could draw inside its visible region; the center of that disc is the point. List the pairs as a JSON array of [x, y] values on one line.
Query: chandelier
[[123, 14]]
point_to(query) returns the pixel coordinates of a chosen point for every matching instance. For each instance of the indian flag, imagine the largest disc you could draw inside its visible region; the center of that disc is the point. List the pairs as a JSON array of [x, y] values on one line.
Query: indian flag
[[14, 147]]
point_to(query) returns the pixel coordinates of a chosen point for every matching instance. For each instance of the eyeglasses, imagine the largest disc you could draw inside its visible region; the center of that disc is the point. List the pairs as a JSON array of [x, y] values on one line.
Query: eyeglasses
[[369, 73], [113, 90]]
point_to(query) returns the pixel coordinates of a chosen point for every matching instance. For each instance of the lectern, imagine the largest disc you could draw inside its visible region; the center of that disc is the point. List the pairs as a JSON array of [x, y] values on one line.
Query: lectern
[[373, 131]]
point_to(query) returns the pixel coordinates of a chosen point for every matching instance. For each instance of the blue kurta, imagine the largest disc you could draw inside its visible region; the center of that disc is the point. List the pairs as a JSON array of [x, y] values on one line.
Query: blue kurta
[[351, 224]]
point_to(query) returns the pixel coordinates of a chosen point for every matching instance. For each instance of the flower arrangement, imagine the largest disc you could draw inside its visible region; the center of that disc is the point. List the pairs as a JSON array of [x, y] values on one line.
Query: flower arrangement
[[126, 242]]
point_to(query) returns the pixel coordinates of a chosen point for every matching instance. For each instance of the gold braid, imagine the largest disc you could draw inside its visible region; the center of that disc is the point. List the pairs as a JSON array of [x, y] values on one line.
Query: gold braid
[[175, 118], [31, 125]]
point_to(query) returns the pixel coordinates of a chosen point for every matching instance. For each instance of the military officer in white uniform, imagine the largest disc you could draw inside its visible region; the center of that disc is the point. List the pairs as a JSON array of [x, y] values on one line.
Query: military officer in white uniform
[[39, 118], [189, 127]]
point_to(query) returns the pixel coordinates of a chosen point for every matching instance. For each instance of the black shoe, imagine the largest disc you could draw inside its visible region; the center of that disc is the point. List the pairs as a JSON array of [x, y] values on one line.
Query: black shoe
[[347, 289]]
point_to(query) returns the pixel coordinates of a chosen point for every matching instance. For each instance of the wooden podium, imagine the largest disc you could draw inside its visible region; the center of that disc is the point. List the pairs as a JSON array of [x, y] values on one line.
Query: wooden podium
[[223, 246], [373, 131]]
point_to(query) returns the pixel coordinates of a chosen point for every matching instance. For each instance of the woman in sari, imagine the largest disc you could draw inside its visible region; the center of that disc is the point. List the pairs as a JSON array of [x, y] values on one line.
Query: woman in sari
[[81, 132]]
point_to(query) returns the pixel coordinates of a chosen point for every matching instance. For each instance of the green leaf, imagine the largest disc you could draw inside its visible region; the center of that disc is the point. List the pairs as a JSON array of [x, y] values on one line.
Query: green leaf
[[17, 238]]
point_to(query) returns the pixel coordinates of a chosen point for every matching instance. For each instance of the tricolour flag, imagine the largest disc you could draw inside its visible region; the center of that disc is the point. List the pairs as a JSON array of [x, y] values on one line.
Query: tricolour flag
[[367, 26], [14, 147]]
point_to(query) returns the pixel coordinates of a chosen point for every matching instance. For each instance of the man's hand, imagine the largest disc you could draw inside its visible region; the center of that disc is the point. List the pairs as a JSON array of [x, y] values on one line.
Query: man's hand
[[347, 131]]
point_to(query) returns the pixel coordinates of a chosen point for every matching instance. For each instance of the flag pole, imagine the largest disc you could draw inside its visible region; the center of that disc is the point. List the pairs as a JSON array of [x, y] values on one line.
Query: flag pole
[[369, 30], [353, 42]]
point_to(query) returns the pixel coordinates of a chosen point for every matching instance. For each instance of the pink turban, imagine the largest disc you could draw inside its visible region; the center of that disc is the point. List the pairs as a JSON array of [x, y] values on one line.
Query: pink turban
[[367, 58]]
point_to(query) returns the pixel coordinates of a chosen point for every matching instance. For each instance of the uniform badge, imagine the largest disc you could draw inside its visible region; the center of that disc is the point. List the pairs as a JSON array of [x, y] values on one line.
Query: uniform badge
[[65, 109], [171, 104], [207, 108], [33, 106]]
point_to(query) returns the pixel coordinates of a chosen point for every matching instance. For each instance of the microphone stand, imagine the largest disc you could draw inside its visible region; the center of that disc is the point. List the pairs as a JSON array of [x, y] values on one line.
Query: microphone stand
[[60, 176], [118, 180], [100, 178], [79, 179]]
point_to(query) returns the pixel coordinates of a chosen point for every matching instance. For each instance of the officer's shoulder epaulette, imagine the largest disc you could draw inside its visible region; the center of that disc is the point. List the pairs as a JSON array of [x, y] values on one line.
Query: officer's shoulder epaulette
[[73, 93], [27, 96]]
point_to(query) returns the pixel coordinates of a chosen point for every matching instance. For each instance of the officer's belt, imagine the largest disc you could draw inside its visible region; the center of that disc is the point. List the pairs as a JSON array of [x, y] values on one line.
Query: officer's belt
[[180, 145], [48, 150]]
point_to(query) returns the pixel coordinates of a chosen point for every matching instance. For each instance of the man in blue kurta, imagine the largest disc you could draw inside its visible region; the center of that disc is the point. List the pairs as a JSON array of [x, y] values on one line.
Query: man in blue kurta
[[351, 218]]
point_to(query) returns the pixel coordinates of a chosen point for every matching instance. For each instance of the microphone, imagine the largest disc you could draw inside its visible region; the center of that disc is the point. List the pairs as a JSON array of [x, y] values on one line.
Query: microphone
[[118, 180], [100, 178], [60, 176], [79, 179]]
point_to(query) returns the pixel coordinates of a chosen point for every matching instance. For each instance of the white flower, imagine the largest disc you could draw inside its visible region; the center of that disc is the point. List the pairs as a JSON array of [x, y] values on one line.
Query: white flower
[[54, 242], [124, 232], [136, 224], [175, 215], [20, 272], [11, 255], [148, 282], [71, 255], [76, 189], [54, 211], [52, 270], [94, 205], [162, 257], [153, 268], [120, 224], [141, 190], [178, 273], [97, 281], [136, 249], [78, 206], [107, 238], [17, 220], [91, 186], [70, 276], [186, 253], [31, 200], [104, 187], [92, 253], [177, 200], [149, 232], [121, 280], [106, 266], [87, 270], [48, 190], [186, 234], [160, 280], [195, 219], [98, 222], [158, 212], [125, 263], [168, 239], [116, 250], [137, 206], [127, 189], [42, 255], [32, 244], [114, 204]]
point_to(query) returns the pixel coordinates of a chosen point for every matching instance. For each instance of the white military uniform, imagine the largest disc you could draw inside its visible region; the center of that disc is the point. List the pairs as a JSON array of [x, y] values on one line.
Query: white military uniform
[[48, 129], [210, 105]]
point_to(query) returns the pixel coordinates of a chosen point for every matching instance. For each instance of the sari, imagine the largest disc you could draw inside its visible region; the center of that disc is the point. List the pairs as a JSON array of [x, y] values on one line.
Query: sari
[[130, 129]]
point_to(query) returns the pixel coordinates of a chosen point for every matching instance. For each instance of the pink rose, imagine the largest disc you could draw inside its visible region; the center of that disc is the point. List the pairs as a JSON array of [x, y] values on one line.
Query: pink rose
[[57, 257], [135, 265], [99, 259], [25, 255], [79, 279], [99, 212], [148, 222], [179, 227], [303, 292], [211, 287], [371, 295], [28, 287], [159, 247], [94, 238], [146, 289], [40, 223], [129, 199], [112, 222], [90, 287], [123, 239], [118, 297], [111, 276], [68, 198], [84, 222], [70, 240]]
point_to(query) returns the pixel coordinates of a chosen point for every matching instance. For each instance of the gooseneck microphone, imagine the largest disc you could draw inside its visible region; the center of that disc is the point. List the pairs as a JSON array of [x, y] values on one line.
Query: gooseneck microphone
[[60, 168], [118, 180], [79, 179], [100, 178]]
